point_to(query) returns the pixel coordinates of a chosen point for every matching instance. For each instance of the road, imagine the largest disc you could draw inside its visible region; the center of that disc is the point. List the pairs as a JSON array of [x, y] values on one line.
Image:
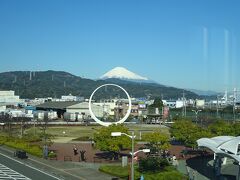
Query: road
[[13, 169]]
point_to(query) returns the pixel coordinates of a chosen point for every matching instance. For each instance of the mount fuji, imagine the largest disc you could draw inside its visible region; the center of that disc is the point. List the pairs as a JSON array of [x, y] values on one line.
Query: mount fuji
[[124, 74]]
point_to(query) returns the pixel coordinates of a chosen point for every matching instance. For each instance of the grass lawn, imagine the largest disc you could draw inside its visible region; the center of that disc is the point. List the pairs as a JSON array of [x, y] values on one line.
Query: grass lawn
[[73, 132], [122, 172]]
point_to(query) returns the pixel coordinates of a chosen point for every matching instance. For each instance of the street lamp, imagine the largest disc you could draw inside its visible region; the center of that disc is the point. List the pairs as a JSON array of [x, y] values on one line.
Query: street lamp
[[196, 113], [141, 150], [115, 134]]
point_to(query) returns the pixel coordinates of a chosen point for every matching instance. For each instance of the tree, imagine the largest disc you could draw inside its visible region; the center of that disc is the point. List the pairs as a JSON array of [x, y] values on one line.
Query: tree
[[8, 120], [188, 132], [236, 129], [43, 125], [157, 103], [221, 128], [157, 141], [23, 124], [105, 142]]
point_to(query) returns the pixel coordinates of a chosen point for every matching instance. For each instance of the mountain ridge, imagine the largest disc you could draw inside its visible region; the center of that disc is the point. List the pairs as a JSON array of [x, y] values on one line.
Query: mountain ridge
[[37, 84]]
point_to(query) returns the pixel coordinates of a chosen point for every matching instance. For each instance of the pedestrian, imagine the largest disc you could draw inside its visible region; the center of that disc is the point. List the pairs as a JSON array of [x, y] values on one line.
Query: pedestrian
[[174, 161], [83, 155], [174, 157], [75, 150], [45, 151], [193, 175]]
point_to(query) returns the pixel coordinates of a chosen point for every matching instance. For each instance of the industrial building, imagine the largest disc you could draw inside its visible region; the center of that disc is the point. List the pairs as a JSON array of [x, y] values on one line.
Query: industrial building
[[83, 110], [8, 98], [59, 107]]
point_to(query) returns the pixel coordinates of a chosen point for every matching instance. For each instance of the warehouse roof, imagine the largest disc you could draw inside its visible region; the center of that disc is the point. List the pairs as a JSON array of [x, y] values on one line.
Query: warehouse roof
[[57, 104], [82, 105]]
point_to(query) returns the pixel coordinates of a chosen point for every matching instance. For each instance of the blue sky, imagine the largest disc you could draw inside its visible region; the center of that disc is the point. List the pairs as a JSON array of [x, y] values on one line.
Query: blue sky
[[181, 43]]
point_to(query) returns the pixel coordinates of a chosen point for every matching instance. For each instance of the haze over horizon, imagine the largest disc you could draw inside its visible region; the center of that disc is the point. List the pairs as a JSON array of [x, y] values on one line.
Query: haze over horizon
[[183, 44]]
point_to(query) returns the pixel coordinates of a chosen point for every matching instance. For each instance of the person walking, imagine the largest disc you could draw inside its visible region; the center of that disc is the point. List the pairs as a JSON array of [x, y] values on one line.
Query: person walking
[[75, 150], [174, 161], [45, 151]]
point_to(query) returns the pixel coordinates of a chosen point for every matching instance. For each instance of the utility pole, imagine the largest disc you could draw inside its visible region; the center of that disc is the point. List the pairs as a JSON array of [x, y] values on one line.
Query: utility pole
[[217, 106], [15, 79], [184, 105], [30, 76]]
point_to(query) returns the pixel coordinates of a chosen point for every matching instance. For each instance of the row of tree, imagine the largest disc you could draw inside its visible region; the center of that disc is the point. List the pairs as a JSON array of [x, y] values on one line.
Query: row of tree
[[187, 132], [183, 130], [157, 141]]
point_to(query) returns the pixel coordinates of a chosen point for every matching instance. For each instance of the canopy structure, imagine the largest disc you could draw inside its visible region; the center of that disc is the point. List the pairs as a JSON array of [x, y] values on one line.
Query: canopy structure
[[227, 146]]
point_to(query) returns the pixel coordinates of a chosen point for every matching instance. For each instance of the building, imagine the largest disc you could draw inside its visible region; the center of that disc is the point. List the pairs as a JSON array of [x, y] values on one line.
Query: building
[[122, 108], [59, 107], [169, 103], [180, 103], [200, 103], [70, 97], [142, 108], [83, 109], [9, 98], [2, 108], [108, 105]]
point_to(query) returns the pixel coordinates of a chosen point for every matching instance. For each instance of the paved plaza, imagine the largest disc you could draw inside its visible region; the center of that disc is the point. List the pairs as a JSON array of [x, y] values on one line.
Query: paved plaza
[[197, 167]]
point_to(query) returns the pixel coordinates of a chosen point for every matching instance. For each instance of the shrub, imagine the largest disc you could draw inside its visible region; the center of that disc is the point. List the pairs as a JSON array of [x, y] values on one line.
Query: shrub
[[118, 171], [169, 173], [152, 164], [83, 138], [23, 145], [32, 138], [52, 154]]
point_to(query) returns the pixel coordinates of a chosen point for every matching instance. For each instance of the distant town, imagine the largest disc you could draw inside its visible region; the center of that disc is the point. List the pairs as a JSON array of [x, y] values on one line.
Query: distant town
[[70, 108]]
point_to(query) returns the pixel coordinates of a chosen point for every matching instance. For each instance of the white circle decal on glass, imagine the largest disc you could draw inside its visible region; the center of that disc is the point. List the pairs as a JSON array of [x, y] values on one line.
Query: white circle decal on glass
[[110, 123]]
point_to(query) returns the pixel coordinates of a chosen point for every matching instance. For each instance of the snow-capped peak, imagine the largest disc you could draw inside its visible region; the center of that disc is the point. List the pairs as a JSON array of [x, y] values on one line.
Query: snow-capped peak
[[122, 73]]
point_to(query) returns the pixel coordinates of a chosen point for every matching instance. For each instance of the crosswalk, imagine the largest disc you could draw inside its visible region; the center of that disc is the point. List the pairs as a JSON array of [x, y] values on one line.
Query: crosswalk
[[9, 174]]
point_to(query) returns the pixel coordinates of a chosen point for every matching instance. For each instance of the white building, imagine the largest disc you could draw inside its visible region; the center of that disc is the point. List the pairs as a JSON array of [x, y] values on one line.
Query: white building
[[8, 98], [200, 103], [16, 113], [108, 106], [83, 109], [70, 97], [169, 103], [2, 108], [180, 103]]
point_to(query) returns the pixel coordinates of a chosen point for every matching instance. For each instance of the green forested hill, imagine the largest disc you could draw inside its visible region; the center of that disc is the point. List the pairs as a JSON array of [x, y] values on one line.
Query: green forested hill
[[57, 83]]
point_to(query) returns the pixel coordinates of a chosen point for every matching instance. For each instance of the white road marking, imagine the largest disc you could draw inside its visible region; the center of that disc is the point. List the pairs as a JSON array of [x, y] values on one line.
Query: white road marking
[[29, 166], [7, 173]]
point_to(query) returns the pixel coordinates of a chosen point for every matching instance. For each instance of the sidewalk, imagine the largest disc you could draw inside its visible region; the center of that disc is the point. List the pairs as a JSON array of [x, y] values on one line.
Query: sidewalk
[[61, 169], [203, 170], [182, 167]]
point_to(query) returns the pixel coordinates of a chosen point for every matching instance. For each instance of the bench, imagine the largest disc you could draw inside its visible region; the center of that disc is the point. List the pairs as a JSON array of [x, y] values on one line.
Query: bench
[[67, 158], [97, 160]]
